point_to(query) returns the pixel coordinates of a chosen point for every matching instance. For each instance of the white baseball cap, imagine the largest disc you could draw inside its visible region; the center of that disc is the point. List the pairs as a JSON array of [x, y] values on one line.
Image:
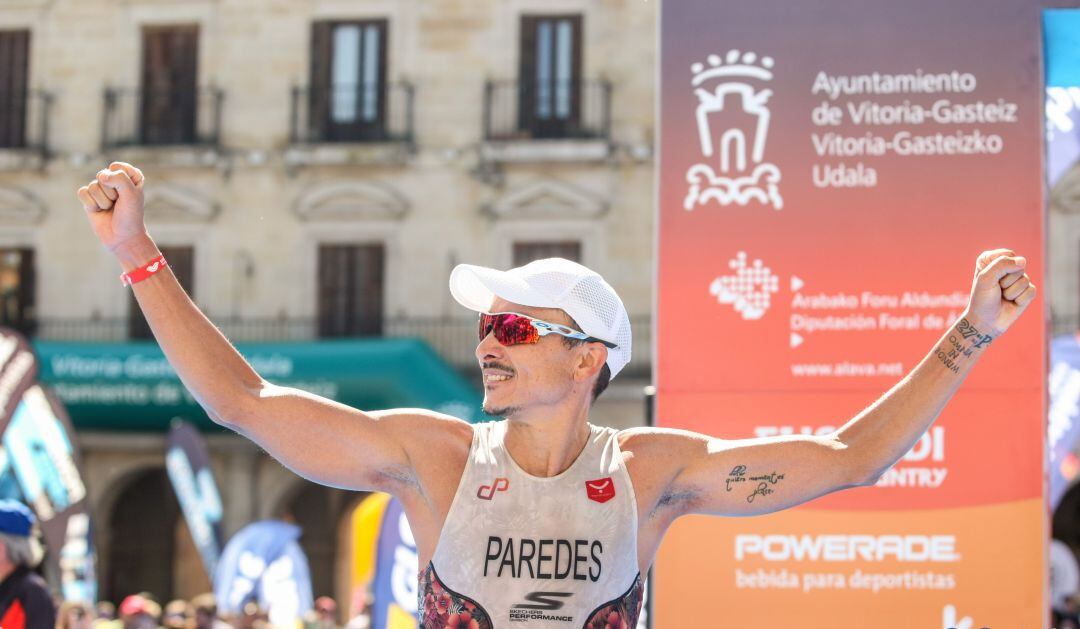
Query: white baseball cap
[[552, 283]]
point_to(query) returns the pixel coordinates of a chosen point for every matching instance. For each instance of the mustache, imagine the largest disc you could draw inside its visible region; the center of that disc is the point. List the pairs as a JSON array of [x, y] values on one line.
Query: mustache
[[497, 366]]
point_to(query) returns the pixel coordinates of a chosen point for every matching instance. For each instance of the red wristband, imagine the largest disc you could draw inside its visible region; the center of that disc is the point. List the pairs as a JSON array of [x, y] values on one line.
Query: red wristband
[[144, 271]]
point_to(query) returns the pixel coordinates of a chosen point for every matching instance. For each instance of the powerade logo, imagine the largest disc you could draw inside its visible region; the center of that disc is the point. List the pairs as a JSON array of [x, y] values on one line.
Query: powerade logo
[[936, 548], [540, 603]]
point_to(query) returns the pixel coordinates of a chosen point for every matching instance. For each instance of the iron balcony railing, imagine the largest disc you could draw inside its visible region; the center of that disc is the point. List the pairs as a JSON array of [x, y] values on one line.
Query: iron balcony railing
[[152, 117], [572, 109], [24, 120], [453, 338], [361, 112]]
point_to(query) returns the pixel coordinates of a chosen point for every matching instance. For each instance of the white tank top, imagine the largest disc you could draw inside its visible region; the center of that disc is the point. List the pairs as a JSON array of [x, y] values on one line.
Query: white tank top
[[522, 551]]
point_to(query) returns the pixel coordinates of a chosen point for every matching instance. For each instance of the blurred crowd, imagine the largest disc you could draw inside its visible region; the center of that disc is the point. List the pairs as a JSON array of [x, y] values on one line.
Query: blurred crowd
[[142, 611], [1066, 615], [26, 603]]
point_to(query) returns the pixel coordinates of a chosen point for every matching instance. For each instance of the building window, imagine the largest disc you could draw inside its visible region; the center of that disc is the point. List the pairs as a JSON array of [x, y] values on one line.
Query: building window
[[347, 100], [550, 75], [350, 286], [14, 55], [182, 262], [526, 252], [17, 289], [169, 94]]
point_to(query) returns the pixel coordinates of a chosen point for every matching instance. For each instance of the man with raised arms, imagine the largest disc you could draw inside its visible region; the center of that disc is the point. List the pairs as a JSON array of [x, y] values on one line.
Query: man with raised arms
[[541, 518]]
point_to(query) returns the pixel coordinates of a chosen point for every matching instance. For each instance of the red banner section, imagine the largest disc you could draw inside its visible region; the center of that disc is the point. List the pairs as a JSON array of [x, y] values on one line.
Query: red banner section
[[829, 173]]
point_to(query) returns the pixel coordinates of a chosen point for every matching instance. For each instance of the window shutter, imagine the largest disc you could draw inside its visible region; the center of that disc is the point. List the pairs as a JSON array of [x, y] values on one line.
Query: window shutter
[[526, 252], [526, 88], [14, 78], [169, 84], [350, 290], [370, 261], [319, 89]]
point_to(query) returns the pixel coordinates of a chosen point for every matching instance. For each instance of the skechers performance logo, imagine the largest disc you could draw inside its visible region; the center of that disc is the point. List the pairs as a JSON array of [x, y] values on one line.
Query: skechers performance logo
[[487, 492], [539, 603]]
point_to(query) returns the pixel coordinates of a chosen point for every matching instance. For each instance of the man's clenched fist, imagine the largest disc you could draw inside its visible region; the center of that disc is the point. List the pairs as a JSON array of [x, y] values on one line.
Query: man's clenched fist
[[1000, 292], [114, 204]]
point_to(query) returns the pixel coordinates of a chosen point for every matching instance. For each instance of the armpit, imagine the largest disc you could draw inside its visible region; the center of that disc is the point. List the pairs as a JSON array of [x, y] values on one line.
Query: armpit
[[680, 499]]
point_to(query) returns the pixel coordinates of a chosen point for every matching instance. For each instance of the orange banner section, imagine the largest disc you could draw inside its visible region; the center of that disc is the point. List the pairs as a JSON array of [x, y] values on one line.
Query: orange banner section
[[853, 570]]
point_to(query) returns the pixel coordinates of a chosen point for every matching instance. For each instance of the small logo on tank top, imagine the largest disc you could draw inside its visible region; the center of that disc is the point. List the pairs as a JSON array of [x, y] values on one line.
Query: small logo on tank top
[[487, 492], [601, 489], [539, 604]]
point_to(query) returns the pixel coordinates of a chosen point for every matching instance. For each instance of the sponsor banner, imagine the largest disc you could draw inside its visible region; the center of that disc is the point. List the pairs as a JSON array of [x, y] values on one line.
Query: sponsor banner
[[816, 292], [828, 176], [188, 464], [39, 466], [263, 562], [384, 563], [809, 568]]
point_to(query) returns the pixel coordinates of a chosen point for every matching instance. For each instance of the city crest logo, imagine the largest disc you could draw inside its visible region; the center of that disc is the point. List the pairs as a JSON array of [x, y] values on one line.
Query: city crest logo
[[733, 126]]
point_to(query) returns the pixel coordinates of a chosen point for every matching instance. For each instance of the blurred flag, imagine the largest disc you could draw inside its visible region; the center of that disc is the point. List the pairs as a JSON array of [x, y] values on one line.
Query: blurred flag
[[1063, 425], [384, 562], [188, 465], [1064, 574], [39, 466], [264, 563], [39, 456], [1061, 28]]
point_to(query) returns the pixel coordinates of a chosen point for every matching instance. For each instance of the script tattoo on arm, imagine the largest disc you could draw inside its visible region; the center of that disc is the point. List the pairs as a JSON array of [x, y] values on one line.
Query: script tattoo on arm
[[737, 475], [955, 347], [762, 483]]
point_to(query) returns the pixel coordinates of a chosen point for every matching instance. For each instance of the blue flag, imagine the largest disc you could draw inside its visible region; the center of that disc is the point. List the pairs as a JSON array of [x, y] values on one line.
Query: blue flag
[[1063, 426], [264, 563]]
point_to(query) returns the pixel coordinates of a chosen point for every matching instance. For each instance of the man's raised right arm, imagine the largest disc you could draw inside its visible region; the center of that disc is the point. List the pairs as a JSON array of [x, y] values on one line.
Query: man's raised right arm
[[318, 438]]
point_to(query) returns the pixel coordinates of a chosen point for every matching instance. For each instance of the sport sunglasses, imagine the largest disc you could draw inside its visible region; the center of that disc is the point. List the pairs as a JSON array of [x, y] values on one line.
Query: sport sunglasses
[[511, 328]]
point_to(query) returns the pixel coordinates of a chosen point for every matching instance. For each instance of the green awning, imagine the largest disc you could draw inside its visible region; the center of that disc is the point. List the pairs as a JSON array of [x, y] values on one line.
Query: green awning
[[130, 386]]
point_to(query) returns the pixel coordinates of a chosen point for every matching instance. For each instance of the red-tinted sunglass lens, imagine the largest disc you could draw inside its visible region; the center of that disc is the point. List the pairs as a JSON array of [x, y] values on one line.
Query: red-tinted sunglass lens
[[486, 321], [509, 329], [512, 330]]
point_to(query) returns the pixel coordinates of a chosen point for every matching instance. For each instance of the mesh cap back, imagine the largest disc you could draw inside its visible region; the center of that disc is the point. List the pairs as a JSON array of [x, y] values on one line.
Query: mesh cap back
[[552, 283]]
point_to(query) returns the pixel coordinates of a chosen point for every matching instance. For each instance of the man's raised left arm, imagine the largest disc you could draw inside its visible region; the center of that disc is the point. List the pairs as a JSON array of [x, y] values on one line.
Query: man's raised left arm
[[753, 476], [885, 431]]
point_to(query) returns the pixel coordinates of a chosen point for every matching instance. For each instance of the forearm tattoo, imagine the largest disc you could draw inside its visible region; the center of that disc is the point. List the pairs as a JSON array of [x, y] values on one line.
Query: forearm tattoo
[[761, 485], [968, 331], [962, 344]]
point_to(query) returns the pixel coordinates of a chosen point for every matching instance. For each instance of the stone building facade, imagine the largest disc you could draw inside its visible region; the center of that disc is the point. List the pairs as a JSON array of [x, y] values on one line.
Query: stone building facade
[[480, 131]]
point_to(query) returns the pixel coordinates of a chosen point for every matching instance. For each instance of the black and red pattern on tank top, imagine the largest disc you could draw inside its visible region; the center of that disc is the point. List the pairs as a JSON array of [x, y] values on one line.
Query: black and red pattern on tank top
[[621, 613], [442, 608]]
